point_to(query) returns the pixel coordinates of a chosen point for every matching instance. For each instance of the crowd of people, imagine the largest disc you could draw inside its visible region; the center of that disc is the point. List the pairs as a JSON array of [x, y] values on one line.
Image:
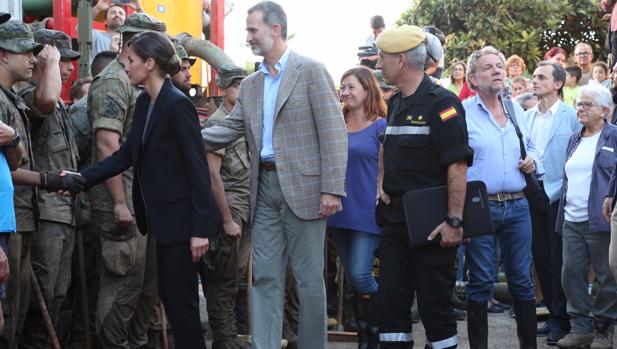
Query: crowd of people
[[114, 204]]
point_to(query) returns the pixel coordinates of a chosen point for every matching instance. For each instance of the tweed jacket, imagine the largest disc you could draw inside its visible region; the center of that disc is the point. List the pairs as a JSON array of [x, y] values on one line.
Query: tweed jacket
[[309, 136]]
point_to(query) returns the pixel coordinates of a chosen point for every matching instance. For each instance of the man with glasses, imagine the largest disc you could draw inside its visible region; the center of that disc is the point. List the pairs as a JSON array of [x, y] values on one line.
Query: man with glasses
[[583, 57]]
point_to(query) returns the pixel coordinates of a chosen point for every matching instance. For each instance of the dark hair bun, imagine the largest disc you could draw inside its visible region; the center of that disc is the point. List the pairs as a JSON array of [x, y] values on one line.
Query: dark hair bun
[[173, 66]]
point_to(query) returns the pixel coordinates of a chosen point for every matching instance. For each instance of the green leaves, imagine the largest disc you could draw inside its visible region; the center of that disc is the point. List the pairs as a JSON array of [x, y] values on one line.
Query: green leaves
[[524, 27]]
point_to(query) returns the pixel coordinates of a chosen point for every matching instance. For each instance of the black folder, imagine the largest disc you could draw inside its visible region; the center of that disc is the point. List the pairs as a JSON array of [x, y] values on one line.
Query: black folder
[[426, 208]]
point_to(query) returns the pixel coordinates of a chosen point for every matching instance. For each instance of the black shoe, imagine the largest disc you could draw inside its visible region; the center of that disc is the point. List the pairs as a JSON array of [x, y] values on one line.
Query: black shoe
[[361, 314], [544, 329], [555, 334]]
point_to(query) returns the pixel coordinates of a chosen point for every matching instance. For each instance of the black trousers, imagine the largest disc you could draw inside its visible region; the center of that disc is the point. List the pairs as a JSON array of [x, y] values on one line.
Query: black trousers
[[177, 277], [546, 248], [431, 273]]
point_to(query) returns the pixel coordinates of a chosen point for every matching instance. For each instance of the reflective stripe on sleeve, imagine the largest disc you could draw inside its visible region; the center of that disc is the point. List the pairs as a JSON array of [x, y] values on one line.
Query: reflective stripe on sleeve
[[408, 130], [395, 337], [445, 343]]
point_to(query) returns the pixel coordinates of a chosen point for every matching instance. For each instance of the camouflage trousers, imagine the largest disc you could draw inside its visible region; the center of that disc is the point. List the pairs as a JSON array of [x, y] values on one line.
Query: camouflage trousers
[[15, 305], [51, 258], [219, 276], [128, 289]]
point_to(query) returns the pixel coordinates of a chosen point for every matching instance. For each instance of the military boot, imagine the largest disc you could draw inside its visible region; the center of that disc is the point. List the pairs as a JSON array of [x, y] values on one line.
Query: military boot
[[477, 324], [526, 323]]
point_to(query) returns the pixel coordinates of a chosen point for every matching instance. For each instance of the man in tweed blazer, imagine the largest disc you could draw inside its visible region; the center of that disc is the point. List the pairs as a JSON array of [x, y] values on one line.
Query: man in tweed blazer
[[290, 115]]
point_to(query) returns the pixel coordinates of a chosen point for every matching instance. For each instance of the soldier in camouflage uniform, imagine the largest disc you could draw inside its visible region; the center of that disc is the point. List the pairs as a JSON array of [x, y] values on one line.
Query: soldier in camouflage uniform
[[182, 79], [17, 45], [225, 266], [128, 293], [82, 129], [54, 149], [17, 49]]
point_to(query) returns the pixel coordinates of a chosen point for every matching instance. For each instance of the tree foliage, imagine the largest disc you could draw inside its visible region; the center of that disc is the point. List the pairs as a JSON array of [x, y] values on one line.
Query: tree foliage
[[524, 27]]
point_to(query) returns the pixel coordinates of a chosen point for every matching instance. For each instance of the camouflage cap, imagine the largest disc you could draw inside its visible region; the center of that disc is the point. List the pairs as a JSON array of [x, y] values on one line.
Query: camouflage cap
[[16, 37], [227, 73], [58, 39], [4, 17], [382, 83], [141, 22], [183, 55]]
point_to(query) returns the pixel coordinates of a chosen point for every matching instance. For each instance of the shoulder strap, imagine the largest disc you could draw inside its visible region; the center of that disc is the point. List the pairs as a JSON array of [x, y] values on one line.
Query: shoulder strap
[[510, 114]]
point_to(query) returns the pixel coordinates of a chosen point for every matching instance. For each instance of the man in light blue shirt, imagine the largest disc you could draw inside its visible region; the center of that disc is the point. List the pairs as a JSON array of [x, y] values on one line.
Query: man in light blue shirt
[[497, 162], [272, 82], [551, 123]]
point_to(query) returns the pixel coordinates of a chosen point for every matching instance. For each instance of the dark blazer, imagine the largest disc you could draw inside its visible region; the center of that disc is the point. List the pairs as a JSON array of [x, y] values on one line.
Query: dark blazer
[[171, 185]]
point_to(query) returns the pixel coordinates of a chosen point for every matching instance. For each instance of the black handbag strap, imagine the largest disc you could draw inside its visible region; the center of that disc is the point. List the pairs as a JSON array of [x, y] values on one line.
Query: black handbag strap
[[510, 114]]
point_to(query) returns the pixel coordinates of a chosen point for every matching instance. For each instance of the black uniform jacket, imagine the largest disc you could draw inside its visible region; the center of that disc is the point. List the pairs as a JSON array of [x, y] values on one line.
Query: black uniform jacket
[[171, 185]]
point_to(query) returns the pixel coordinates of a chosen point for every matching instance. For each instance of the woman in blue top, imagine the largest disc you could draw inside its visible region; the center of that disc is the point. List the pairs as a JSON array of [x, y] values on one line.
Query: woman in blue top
[[10, 158], [354, 230]]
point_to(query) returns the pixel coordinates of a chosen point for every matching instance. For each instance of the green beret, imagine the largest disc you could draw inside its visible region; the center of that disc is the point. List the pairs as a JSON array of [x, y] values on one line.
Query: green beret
[[400, 39]]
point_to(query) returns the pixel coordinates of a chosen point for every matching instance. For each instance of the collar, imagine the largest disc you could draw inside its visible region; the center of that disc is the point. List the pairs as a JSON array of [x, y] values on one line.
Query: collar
[[480, 103], [418, 96], [17, 101], [279, 66], [550, 112]]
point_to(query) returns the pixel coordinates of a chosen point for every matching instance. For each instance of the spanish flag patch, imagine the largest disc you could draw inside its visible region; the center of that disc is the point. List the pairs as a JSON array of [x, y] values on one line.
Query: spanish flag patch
[[448, 114]]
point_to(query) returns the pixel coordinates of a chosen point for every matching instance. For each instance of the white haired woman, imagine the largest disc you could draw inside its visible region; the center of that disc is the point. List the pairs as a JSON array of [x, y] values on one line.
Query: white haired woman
[[591, 159]]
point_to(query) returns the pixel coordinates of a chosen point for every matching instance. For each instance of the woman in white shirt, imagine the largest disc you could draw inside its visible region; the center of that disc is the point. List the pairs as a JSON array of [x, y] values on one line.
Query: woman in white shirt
[[591, 159]]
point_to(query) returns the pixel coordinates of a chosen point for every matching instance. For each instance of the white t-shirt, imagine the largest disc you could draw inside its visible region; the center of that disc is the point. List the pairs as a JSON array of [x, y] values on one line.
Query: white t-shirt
[[101, 41], [578, 172]]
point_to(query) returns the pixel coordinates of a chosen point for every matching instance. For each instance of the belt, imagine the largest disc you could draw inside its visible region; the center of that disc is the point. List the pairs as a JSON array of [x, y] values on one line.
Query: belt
[[506, 196], [268, 166]]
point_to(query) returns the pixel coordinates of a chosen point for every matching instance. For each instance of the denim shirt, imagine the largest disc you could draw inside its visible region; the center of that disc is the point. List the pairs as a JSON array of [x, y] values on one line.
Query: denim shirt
[[604, 164]]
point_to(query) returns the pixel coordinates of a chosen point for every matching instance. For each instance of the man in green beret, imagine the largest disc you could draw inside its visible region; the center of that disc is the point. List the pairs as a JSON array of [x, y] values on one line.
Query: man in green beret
[[128, 290], [425, 145]]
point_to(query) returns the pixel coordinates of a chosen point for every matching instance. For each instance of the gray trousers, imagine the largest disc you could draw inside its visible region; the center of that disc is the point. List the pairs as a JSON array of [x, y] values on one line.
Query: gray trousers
[[279, 235], [582, 248], [612, 255]]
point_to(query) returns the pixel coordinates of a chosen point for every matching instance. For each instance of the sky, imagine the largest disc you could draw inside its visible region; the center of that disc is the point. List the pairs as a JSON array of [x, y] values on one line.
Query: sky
[[329, 31]]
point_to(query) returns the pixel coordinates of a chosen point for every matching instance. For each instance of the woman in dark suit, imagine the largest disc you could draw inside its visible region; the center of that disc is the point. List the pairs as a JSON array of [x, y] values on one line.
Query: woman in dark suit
[[171, 186]]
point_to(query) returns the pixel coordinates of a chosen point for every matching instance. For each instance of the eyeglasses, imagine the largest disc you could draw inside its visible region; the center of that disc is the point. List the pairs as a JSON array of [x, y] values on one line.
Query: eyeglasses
[[584, 105], [581, 54]]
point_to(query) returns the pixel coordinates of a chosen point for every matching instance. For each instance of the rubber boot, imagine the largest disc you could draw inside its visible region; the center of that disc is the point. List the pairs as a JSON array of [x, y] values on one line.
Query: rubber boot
[[373, 320], [477, 324], [526, 323], [360, 309]]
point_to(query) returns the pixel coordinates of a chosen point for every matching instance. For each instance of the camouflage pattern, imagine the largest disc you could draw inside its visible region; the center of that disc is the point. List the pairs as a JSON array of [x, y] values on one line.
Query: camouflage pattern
[[140, 22], [181, 52], [111, 103], [81, 125], [227, 73], [15, 305], [54, 149], [13, 113], [235, 170], [16, 37], [58, 39]]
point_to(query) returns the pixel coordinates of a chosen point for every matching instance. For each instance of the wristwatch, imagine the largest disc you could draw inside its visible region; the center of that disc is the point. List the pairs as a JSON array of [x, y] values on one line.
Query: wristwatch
[[454, 222], [16, 140]]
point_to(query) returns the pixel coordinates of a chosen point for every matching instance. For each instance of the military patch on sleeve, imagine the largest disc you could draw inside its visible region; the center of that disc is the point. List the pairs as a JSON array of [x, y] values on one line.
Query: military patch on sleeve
[[448, 114]]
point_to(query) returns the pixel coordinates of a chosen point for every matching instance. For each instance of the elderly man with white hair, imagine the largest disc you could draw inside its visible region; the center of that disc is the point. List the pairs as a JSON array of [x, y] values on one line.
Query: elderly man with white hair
[[591, 160]]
